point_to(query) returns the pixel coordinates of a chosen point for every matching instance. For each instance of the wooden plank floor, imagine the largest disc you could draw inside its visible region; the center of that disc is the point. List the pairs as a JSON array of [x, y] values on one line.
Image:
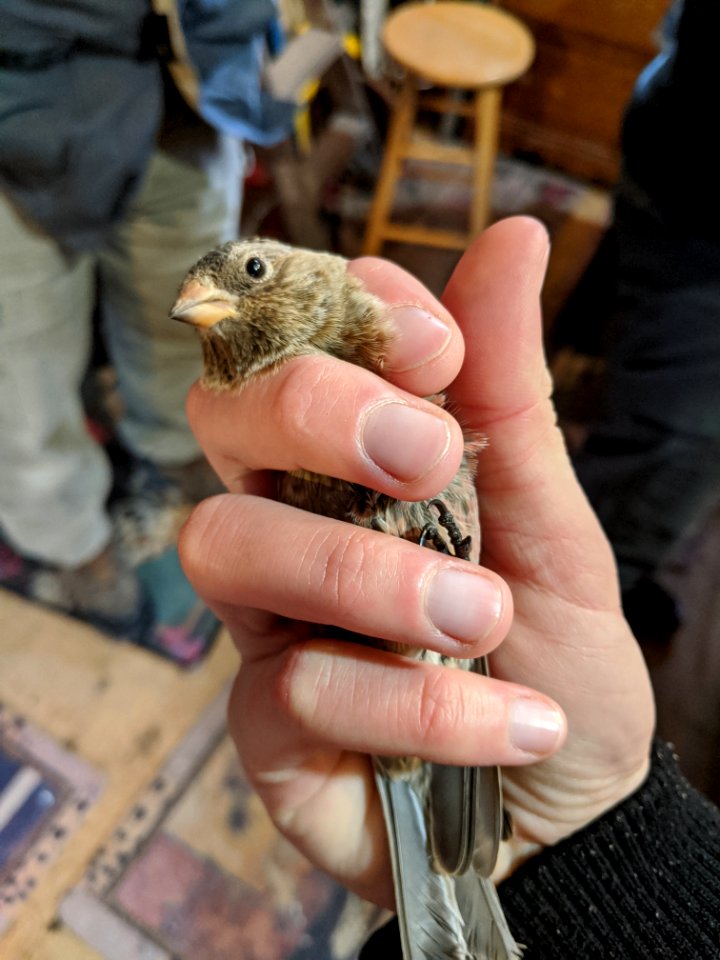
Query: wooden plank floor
[[173, 855], [119, 709]]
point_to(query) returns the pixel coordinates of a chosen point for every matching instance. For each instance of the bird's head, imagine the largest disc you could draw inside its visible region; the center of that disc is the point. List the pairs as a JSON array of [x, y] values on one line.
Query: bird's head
[[215, 287], [259, 302]]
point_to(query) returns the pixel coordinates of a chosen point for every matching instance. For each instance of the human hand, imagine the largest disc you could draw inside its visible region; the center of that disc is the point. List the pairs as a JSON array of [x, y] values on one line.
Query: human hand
[[305, 712]]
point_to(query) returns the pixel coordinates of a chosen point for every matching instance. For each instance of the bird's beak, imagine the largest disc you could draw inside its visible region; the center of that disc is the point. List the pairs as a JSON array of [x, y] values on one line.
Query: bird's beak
[[202, 305]]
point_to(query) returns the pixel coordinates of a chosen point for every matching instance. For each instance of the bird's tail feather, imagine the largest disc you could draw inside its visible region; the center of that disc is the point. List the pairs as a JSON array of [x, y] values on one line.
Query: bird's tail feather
[[431, 927], [440, 917], [486, 929]]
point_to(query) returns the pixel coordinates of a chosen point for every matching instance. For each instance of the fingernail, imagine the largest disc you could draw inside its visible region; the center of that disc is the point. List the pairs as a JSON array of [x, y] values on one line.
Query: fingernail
[[403, 441], [420, 336], [534, 726], [465, 606]]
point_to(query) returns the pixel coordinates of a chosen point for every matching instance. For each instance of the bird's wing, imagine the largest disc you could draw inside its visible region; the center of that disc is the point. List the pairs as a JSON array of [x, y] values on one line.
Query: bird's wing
[[466, 814], [465, 803]]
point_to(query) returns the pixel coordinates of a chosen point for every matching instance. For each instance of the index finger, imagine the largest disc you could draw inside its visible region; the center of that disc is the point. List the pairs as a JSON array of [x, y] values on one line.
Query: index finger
[[427, 350]]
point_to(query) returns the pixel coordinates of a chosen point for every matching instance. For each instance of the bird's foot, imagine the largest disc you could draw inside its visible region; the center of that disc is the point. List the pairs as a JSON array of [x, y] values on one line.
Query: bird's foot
[[459, 546]]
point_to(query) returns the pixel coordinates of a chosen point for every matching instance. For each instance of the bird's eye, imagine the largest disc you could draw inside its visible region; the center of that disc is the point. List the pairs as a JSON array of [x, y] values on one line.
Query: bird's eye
[[255, 268]]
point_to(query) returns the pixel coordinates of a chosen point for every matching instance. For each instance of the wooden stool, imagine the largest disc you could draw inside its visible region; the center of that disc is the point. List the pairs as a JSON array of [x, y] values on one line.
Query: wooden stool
[[463, 46]]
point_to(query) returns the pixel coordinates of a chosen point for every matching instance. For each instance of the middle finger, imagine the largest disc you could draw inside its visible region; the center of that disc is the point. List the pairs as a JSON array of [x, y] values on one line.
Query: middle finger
[[329, 572]]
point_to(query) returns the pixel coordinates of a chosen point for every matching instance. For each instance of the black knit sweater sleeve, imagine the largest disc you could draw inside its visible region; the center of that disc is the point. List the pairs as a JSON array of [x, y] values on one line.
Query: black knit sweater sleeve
[[640, 883]]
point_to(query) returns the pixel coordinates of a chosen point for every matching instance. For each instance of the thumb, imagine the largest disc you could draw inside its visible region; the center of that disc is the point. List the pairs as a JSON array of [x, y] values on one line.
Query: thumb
[[537, 525]]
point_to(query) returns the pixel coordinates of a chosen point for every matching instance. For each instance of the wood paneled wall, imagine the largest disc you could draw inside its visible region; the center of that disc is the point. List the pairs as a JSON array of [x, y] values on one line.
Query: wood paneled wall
[[568, 108]]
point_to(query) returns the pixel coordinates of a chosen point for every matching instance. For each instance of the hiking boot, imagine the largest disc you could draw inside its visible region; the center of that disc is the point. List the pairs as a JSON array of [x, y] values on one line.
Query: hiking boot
[[107, 594], [196, 480]]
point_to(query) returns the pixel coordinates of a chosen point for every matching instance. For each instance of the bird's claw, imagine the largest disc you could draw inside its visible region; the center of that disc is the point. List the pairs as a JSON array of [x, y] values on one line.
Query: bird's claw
[[460, 545]]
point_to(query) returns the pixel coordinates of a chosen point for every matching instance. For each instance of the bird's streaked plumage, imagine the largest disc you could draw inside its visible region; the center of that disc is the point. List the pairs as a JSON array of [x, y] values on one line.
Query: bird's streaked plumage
[[258, 303]]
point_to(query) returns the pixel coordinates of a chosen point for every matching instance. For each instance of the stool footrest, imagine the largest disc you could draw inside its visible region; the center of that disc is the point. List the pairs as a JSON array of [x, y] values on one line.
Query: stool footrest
[[438, 153], [445, 104], [426, 236]]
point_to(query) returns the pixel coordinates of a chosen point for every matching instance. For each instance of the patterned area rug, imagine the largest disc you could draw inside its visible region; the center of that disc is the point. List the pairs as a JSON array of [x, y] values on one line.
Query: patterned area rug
[[197, 872], [45, 793]]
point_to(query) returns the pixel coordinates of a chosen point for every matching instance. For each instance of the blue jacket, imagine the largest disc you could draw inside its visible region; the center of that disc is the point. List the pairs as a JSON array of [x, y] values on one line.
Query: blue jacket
[[81, 97]]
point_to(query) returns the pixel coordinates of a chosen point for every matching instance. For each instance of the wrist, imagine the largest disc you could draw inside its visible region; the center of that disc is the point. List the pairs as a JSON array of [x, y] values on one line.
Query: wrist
[[562, 814]]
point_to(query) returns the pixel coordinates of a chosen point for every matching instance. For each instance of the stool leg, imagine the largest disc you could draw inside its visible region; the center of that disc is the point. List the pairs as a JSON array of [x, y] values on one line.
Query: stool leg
[[403, 117], [487, 127]]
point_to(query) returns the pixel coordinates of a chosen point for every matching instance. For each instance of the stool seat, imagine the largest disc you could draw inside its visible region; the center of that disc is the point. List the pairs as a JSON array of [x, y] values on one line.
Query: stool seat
[[473, 50], [459, 44]]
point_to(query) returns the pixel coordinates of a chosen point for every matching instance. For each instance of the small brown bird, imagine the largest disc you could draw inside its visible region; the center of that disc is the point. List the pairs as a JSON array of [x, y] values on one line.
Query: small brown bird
[[258, 303]]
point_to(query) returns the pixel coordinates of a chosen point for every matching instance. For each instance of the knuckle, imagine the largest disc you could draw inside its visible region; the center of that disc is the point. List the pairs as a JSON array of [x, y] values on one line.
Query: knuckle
[[298, 394], [341, 570], [197, 531], [440, 707], [207, 543], [248, 698], [280, 689], [290, 672]]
